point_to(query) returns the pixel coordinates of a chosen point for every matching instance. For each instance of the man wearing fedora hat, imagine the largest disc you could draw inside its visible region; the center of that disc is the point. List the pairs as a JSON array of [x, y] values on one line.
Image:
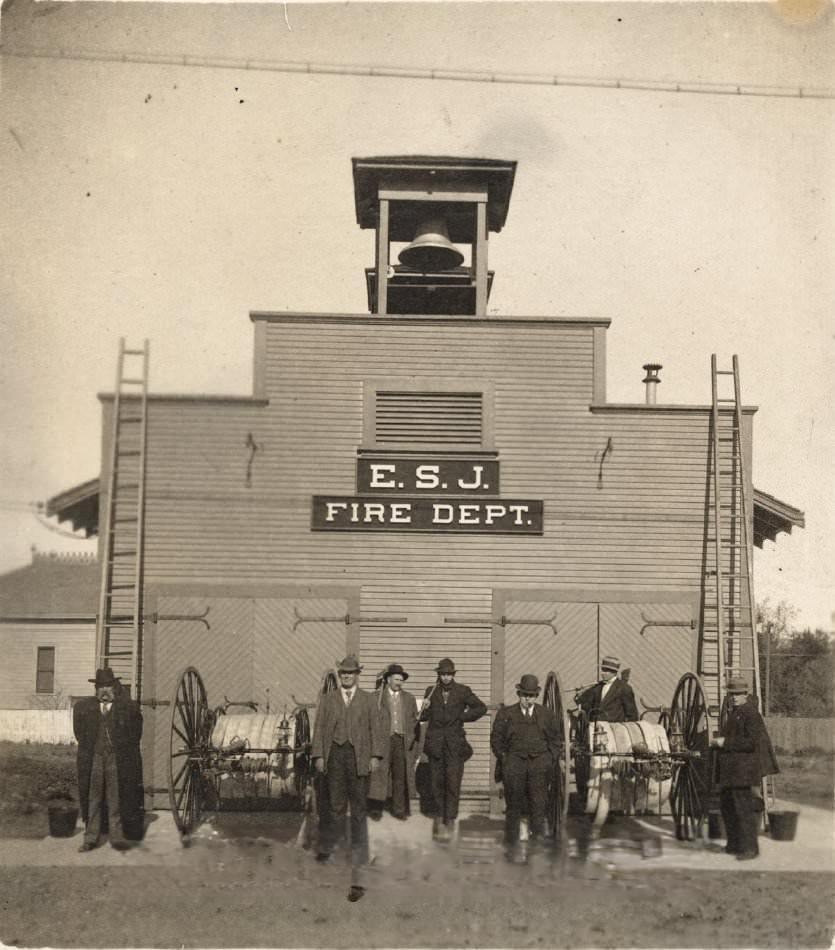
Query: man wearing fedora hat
[[108, 728], [348, 745], [610, 699], [395, 779], [745, 757], [446, 707], [525, 740]]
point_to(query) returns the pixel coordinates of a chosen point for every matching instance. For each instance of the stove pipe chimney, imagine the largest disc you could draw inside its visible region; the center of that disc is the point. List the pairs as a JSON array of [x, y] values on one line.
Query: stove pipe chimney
[[651, 379]]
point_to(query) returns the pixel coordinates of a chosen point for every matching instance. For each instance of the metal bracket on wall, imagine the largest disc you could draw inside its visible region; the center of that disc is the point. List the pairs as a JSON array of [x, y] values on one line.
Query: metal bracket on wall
[[200, 618], [347, 619], [504, 621], [665, 623]]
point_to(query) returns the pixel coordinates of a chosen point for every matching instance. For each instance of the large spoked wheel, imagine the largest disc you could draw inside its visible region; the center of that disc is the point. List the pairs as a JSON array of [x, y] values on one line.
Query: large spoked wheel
[[189, 744], [580, 744], [558, 787], [302, 764], [689, 736]]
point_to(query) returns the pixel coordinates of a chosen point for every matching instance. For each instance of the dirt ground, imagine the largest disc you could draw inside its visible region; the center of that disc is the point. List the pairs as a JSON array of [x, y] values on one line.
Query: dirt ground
[[238, 887], [244, 883]]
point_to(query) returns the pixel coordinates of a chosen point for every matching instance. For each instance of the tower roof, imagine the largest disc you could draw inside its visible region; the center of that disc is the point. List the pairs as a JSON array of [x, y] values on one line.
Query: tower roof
[[449, 172]]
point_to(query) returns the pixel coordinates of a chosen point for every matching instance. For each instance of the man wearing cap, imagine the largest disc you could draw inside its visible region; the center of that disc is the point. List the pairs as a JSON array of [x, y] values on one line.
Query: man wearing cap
[[348, 745], [610, 699], [745, 757], [108, 727], [525, 741], [446, 707], [395, 779]]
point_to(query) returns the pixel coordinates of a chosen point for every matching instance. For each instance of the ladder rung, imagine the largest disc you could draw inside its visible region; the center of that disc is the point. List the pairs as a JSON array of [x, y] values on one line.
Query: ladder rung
[[123, 553], [127, 485], [131, 381], [727, 401], [128, 452], [122, 586], [119, 653], [724, 372], [134, 352], [118, 623], [130, 419], [125, 520]]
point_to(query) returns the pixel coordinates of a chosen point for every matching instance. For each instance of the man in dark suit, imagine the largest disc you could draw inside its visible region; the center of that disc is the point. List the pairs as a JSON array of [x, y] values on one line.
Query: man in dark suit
[[348, 745], [395, 779], [108, 727], [525, 741], [610, 699], [745, 757], [446, 707]]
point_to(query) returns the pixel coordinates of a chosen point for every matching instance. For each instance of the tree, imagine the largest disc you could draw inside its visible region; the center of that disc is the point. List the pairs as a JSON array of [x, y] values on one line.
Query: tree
[[799, 665]]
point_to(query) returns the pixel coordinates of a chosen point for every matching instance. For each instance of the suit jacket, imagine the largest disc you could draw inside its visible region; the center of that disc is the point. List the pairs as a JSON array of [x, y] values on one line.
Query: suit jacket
[[747, 754], [126, 732], [380, 786], [445, 730], [365, 726], [505, 738], [618, 705]]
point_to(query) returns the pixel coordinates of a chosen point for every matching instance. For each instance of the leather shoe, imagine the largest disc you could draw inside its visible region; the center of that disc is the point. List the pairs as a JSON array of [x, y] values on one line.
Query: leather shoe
[[728, 850], [120, 845], [747, 855], [86, 846], [356, 892], [323, 857]]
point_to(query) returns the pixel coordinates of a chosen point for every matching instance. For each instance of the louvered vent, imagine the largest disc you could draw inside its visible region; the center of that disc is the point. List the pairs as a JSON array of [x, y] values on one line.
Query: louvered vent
[[444, 418]]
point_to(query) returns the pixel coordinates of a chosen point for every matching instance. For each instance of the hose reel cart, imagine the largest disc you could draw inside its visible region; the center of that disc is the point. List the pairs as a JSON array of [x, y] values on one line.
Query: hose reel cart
[[634, 767]]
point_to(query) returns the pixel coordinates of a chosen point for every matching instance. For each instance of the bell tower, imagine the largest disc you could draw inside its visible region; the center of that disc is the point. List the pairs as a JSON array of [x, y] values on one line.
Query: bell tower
[[442, 209]]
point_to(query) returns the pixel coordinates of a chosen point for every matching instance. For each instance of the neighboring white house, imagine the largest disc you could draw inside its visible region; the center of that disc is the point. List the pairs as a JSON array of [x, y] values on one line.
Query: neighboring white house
[[48, 631]]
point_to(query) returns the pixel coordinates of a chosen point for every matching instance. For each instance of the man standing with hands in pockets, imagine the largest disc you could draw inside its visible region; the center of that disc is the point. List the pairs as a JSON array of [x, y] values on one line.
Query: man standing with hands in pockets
[[348, 745]]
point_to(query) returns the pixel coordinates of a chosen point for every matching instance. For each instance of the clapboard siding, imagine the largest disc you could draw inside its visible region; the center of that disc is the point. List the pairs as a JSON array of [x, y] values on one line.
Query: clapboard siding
[[74, 645], [623, 488]]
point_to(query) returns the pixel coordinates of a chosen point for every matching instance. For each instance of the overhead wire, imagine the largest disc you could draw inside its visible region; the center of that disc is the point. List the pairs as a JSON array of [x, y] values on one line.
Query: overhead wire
[[394, 72]]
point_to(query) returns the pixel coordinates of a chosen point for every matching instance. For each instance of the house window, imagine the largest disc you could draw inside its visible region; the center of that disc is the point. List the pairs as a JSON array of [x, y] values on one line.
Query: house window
[[419, 414], [45, 678]]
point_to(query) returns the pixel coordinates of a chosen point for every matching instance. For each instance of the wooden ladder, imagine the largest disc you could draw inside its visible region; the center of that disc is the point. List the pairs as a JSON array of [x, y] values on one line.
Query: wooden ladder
[[729, 633], [119, 621]]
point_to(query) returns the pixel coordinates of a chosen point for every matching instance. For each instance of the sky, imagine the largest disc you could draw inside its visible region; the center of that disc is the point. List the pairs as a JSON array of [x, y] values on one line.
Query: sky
[[159, 201]]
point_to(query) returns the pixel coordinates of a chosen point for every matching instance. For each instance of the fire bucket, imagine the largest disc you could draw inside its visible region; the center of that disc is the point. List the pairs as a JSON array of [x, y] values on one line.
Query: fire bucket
[[62, 819], [782, 825]]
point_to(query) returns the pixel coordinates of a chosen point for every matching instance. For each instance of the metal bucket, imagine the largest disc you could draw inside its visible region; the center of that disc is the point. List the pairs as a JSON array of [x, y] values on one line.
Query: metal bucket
[[62, 819], [782, 825]]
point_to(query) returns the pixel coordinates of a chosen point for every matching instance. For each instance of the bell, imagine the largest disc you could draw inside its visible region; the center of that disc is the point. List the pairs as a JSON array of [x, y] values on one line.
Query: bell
[[431, 249]]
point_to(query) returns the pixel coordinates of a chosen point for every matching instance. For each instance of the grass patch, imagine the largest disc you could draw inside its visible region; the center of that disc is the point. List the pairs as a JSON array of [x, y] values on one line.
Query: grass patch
[[31, 773], [807, 778]]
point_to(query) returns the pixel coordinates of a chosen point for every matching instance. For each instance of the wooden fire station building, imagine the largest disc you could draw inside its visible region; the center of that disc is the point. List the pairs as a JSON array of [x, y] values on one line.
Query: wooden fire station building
[[419, 481]]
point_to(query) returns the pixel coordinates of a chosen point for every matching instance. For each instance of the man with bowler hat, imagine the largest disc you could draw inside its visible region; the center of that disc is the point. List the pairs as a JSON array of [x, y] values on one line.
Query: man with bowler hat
[[610, 699], [108, 727], [446, 707], [745, 757], [348, 745], [525, 741], [395, 779]]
